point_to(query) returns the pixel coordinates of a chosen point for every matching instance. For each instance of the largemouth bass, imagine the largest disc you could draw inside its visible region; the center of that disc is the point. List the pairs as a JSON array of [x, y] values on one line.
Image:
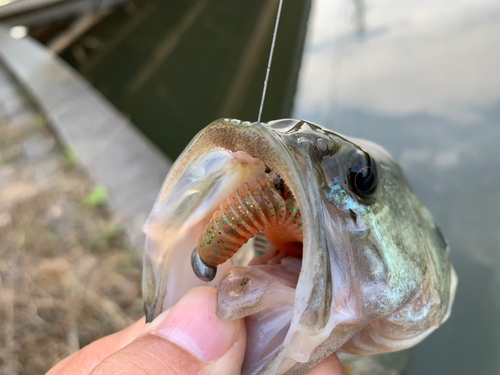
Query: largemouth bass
[[316, 239]]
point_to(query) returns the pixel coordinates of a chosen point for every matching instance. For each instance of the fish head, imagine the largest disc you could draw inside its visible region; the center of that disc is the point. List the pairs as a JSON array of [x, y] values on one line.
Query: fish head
[[373, 274]]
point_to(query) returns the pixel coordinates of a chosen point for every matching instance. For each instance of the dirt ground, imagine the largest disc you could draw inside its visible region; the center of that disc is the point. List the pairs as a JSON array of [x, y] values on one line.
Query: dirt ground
[[67, 274]]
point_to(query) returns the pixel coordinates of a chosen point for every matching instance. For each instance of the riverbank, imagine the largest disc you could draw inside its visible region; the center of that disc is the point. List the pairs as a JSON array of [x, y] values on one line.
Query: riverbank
[[68, 274]]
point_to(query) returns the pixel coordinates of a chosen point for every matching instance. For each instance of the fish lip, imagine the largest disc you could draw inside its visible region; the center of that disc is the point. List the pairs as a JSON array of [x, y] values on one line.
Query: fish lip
[[255, 139]]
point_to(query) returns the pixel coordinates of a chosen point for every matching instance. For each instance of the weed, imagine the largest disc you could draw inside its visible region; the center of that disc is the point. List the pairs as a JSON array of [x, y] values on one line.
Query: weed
[[98, 196], [70, 157]]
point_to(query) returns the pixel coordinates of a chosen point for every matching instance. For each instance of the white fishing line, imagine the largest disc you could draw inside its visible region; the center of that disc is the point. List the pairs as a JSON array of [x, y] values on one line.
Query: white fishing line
[[266, 80]]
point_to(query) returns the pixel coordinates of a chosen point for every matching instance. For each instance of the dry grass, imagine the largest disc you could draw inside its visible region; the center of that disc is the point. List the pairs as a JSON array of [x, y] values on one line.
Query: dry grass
[[67, 276]]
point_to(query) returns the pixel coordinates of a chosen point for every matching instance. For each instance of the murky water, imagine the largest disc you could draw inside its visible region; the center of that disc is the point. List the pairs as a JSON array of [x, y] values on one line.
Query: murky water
[[420, 78]]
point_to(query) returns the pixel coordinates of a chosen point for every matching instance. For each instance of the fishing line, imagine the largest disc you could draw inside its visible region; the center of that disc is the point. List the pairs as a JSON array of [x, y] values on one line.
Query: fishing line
[[266, 80]]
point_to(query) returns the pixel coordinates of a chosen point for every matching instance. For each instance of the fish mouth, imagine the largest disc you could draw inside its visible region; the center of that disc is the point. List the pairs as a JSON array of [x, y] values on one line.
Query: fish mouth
[[288, 285]]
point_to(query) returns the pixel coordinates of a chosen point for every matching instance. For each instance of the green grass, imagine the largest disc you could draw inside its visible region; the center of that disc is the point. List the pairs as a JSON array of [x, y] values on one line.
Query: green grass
[[97, 197], [70, 157]]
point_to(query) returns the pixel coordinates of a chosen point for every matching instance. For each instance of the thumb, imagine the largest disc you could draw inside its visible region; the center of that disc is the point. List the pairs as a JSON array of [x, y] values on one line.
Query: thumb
[[187, 339]]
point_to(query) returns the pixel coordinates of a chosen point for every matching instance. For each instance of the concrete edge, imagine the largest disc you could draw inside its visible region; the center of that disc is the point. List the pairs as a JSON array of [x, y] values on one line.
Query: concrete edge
[[111, 149]]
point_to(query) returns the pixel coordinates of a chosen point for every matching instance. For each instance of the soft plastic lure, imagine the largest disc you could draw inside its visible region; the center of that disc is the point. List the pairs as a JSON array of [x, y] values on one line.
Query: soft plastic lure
[[258, 206]]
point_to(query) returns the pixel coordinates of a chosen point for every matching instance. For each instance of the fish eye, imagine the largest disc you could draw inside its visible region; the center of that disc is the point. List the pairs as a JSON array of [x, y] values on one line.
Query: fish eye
[[363, 175]]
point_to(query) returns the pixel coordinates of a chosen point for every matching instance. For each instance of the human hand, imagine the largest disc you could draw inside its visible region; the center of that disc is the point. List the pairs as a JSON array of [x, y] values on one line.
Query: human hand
[[187, 339]]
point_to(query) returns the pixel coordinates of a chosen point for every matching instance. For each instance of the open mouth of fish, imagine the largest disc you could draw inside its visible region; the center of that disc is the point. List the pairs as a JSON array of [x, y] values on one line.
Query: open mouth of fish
[[237, 202], [263, 207]]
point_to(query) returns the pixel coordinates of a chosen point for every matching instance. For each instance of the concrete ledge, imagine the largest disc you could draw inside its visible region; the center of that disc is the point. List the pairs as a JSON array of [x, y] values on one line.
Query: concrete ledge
[[108, 145]]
